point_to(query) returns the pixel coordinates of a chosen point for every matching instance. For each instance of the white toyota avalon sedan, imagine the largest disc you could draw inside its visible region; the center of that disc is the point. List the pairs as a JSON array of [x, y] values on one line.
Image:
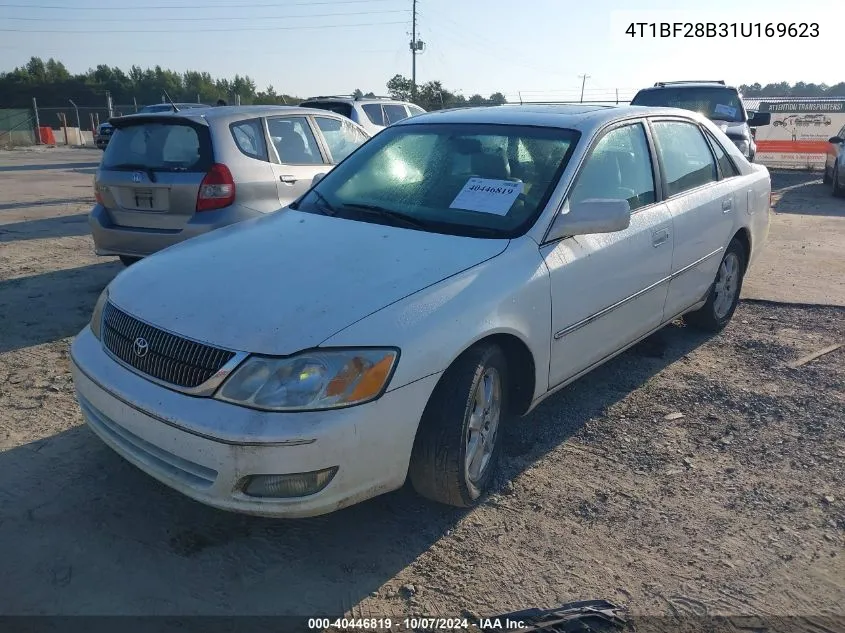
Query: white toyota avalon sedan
[[436, 285]]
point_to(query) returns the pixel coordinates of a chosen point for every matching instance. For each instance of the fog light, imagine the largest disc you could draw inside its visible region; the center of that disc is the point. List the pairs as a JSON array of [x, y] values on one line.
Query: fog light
[[288, 486]]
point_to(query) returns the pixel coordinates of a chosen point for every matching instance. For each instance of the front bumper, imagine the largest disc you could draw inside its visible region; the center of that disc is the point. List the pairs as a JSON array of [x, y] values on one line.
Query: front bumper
[[114, 239], [205, 448]]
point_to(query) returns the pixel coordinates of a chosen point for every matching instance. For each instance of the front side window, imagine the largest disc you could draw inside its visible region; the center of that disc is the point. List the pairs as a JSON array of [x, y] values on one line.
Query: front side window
[[342, 136], [294, 141], [394, 112], [474, 180], [162, 146], [374, 113], [619, 167], [414, 110], [685, 156]]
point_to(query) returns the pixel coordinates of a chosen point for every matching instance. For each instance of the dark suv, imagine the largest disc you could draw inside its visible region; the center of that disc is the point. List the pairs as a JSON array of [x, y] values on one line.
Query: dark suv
[[720, 103]]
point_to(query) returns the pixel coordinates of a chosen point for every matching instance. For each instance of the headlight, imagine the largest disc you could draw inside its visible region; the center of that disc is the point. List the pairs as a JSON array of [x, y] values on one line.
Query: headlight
[[97, 316], [322, 379]]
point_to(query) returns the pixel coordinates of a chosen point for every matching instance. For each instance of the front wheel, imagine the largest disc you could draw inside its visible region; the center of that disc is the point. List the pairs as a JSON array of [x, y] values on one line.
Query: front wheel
[[458, 443], [838, 190], [723, 298]]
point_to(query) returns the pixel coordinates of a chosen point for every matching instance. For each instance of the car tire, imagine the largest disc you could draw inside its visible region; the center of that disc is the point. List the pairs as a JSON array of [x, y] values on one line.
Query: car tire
[[464, 418], [128, 261], [838, 190], [825, 176], [723, 297]]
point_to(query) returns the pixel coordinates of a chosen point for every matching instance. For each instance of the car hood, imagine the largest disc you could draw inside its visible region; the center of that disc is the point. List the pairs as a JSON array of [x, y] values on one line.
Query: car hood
[[732, 129], [288, 281]]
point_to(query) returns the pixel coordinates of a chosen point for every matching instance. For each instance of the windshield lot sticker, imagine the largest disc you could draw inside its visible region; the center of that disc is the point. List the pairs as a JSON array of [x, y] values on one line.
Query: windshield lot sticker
[[487, 195], [725, 109]]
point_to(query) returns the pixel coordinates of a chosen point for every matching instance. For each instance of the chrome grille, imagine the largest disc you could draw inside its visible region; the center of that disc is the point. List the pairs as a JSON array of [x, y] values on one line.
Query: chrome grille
[[169, 358]]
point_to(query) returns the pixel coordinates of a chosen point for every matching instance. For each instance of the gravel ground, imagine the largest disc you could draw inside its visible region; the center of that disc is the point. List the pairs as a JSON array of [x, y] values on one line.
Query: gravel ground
[[690, 476]]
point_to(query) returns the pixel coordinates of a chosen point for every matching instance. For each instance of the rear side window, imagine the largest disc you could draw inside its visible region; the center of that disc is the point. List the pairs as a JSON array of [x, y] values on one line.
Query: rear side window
[[374, 113], [163, 146], [249, 137], [394, 113], [338, 107], [686, 157], [726, 165]]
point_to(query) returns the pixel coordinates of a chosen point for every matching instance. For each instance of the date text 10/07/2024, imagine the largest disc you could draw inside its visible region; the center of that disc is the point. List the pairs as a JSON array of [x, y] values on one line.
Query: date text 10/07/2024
[[723, 29], [414, 623]]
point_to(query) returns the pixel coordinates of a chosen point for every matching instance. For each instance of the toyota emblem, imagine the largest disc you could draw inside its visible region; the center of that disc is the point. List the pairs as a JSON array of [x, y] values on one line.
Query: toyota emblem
[[140, 347], [136, 177]]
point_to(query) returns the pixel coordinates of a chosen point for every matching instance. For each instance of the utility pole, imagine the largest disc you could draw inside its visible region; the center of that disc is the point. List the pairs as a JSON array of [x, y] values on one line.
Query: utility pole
[[414, 50], [584, 79]]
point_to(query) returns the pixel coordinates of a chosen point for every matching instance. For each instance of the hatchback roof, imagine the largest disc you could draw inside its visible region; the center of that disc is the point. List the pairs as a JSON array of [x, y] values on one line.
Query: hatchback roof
[[207, 114]]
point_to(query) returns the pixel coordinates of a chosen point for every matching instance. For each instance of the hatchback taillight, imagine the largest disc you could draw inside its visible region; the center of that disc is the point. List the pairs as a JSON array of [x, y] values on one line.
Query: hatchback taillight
[[217, 189], [98, 192]]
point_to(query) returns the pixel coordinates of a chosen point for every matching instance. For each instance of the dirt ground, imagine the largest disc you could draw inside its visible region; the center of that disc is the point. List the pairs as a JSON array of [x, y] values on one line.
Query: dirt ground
[[691, 476]]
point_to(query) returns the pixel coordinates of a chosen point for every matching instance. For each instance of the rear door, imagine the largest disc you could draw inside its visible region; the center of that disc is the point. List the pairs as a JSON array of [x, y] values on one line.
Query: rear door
[[703, 208], [152, 170], [296, 154], [341, 136]]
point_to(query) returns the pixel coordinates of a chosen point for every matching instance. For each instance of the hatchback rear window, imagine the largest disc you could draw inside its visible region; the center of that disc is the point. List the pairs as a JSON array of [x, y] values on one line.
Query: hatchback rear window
[[339, 107], [158, 145]]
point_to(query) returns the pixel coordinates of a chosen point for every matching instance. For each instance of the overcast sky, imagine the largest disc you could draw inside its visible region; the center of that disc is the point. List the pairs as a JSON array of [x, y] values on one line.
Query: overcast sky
[[537, 47]]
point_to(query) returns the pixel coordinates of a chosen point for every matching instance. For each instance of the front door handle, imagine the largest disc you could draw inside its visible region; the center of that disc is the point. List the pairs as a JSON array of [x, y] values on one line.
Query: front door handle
[[659, 237], [288, 180], [726, 205]]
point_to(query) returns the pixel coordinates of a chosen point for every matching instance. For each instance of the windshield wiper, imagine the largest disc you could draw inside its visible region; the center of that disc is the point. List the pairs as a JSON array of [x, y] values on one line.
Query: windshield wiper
[[145, 168], [382, 212], [326, 207]]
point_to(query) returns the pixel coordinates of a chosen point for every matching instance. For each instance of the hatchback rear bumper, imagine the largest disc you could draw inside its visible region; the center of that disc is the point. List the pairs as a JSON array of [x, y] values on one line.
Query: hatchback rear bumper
[[113, 239]]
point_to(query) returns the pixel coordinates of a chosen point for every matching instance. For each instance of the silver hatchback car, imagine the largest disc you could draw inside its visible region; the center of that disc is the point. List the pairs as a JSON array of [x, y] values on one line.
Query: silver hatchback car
[[170, 176]]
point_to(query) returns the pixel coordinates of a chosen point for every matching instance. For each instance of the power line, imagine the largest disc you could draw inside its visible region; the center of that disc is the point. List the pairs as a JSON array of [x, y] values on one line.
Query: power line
[[205, 30], [210, 19], [147, 7]]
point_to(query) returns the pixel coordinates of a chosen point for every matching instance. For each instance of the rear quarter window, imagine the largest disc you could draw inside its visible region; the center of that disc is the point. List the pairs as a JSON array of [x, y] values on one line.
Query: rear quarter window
[[160, 145], [249, 137]]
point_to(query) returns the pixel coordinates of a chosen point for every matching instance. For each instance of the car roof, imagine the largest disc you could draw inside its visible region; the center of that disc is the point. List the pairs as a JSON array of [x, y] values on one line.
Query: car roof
[[582, 117], [666, 85], [352, 99], [207, 114]]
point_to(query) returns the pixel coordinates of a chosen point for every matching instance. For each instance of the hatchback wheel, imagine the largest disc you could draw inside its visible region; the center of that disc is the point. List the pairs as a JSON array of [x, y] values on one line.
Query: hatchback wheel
[[458, 443], [724, 293], [128, 261]]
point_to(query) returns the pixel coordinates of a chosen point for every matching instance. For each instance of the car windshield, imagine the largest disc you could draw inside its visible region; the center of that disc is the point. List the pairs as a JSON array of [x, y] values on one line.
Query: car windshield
[[474, 180], [161, 146], [722, 104]]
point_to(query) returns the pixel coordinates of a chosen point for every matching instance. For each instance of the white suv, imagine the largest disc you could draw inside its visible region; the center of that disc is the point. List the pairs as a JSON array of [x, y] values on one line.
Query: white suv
[[371, 113]]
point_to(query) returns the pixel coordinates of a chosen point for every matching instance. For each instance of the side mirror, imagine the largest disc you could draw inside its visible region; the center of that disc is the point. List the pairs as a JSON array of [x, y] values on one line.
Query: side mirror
[[594, 215], [836, 140], [317, 178], [760, 119]]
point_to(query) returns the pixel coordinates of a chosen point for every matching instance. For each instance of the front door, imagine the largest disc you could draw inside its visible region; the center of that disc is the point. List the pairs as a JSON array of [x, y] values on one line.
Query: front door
[[609, 289], [297, 156]]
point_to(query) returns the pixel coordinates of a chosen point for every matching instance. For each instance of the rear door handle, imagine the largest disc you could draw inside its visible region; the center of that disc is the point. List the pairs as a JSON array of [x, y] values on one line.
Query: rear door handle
[[659, 237], [726, 205], [288, 180]]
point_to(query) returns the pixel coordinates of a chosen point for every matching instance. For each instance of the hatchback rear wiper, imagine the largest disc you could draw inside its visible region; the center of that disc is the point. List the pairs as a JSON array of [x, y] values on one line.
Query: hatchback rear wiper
[[375, 210], [127, 166]]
